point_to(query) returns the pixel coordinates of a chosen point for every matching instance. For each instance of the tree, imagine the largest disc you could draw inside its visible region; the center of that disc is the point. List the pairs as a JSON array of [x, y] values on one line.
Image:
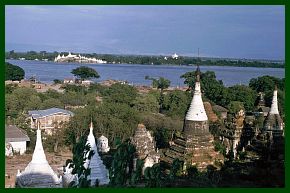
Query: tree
[[160, 83], [120, 93], [57, 81], [146, 103], [50, 103], [84, 72], [235, 106], [13, 72], [152, 176], [122, 165], [176, 169], [266, 83], [162, 137], [56, 139], [81, 152], [243, 94], [176, 103], [212, 88], [136, 175]]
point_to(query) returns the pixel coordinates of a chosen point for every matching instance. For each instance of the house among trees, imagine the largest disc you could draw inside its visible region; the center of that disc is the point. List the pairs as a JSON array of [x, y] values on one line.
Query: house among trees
[[69, 80], [49, 118], [15, 140], [223, 111]]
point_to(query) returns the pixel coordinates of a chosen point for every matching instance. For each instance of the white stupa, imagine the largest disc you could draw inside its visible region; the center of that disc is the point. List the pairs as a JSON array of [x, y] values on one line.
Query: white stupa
[[98, 169], [38, 173], [196, 111], [274, 106], [273, 121], [103, 144]]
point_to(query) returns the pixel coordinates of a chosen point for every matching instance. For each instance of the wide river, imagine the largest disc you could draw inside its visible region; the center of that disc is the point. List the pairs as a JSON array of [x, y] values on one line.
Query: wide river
[[135, 73]]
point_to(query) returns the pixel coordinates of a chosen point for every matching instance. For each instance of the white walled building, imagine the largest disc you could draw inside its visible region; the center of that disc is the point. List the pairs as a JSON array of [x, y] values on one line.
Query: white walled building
[[15, 138]]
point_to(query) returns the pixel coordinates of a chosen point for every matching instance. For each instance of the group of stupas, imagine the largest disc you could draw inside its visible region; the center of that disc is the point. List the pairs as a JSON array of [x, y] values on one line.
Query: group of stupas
[[78, 58], [39, 174], [193, 147]]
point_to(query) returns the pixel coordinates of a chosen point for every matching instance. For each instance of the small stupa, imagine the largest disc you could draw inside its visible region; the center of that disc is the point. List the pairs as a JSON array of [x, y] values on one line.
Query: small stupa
[[99, 171], [38, 173], [103, 144]]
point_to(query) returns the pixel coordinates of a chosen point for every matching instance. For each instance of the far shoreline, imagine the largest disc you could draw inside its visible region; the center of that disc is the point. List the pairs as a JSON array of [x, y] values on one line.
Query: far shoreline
[[145, 64]]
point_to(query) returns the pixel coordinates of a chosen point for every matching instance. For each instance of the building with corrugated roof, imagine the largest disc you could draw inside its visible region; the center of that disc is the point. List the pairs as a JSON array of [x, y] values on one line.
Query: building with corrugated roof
[[49, 118]]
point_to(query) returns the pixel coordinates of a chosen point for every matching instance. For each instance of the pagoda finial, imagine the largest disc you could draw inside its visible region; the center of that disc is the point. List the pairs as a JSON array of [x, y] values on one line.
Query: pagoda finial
[[91, 126], [197, 72], [38, 125], [274, 105]]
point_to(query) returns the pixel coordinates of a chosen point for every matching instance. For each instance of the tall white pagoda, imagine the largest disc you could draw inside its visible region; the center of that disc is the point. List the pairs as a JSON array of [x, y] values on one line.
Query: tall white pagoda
[[196, 120], [273, 122], [98, 169], [38, 173], [195, 145]]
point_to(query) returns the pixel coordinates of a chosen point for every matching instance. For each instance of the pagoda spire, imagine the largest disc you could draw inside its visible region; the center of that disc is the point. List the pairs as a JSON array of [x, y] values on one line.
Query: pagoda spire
[[38, 154], [197, 72], [196, 111], [91, 127], [274, 106]]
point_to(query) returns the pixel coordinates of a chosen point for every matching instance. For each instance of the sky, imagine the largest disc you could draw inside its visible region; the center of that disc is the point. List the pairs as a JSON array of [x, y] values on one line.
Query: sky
[[252, 32]]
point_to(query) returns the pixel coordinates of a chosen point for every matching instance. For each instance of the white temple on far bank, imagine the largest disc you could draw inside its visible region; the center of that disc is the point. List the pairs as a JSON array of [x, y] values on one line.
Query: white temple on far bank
[[78, 58], [38, 173], [98, 169]]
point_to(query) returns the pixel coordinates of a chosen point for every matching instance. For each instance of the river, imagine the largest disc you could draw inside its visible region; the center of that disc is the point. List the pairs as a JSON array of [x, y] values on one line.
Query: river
[[135, 73]]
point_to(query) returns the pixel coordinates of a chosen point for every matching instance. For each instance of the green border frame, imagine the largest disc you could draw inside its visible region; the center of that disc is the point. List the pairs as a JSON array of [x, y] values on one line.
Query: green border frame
[[148, 2]]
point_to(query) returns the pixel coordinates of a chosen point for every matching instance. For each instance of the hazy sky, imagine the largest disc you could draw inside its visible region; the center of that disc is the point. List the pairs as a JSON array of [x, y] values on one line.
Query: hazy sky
[[219, 31]]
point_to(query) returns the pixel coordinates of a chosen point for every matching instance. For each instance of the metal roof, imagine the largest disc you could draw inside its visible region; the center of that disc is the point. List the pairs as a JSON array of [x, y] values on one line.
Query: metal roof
[[14, 134], [47, 112]]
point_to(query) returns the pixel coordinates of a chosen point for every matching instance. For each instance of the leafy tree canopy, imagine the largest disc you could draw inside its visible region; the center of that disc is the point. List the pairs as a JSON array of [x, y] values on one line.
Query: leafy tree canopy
[[160, 83], [84, 72], [13, 72]]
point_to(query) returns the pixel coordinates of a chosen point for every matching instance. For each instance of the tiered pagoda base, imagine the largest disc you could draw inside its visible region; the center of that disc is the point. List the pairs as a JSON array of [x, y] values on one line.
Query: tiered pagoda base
[[197, 150]]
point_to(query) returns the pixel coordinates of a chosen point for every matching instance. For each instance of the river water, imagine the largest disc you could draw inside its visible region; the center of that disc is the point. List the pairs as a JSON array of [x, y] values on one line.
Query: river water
[[135, 73]]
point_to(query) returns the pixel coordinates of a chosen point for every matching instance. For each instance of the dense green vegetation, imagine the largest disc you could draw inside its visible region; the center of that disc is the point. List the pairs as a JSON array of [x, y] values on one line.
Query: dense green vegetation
[[214, 90], [121, 107], [13, 72], [142, 59], [116, 111]]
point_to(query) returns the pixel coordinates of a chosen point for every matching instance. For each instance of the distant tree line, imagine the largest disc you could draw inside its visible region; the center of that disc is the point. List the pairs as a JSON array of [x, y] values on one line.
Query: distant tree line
[[144, 59]]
